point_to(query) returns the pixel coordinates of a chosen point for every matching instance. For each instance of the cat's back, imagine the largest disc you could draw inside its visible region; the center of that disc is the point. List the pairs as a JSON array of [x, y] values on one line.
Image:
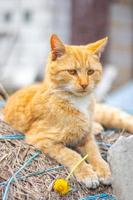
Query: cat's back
[[17, 103], [23, 96]]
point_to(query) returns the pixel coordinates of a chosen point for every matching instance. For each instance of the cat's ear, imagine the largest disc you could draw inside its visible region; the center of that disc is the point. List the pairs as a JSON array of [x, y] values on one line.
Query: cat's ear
[[98, 46], [57, 47]]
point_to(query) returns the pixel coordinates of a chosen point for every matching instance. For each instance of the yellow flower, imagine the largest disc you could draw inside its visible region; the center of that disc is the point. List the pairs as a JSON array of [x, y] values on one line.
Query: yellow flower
[[61, 186]]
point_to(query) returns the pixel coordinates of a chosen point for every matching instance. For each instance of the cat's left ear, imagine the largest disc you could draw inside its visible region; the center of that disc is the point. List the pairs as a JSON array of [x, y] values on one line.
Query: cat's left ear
[[57, 47], [98, 46]]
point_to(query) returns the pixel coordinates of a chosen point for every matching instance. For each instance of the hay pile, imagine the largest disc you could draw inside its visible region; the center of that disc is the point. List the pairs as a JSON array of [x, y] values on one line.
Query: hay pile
[[13, 154]]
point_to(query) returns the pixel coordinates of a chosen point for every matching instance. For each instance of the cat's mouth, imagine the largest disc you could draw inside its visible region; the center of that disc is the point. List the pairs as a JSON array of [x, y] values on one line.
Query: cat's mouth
[[81, 92], [84, 92]]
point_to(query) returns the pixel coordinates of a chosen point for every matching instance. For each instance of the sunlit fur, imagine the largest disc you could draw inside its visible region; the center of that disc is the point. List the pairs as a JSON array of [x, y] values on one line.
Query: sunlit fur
[[58, 116]]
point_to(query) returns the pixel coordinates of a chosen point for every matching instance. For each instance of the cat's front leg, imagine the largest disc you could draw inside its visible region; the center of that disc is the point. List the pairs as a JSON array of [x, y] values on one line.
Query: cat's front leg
[[68, 157], [95, 159]]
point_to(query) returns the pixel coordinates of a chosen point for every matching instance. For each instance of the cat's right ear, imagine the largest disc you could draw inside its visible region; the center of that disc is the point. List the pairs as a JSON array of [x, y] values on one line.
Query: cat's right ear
[[57, 47]]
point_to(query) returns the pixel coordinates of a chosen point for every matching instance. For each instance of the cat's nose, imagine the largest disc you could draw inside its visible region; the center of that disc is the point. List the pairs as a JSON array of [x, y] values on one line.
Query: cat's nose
[[84, 86]]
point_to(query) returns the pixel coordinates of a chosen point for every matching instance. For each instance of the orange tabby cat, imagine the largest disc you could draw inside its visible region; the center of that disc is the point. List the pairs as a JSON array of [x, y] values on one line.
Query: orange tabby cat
[[58, 115]]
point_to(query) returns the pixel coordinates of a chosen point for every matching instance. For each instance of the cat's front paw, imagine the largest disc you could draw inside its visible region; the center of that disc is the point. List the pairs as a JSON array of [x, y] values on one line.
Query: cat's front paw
[[103, 172], [88, 177]]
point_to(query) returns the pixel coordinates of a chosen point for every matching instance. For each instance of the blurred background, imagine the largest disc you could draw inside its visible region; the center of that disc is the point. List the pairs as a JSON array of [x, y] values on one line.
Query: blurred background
[[26, 26]]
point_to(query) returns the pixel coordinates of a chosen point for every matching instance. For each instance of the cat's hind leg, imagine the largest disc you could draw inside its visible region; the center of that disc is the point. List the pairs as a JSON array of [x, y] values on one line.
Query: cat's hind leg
[[97, 128], [94, 158]]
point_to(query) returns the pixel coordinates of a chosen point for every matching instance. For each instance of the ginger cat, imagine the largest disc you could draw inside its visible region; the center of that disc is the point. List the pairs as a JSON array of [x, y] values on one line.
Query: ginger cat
[[59, 115]]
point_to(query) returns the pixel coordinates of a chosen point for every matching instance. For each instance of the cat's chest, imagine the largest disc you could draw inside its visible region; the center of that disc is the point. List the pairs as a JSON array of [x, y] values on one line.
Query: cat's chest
[[82, 104]]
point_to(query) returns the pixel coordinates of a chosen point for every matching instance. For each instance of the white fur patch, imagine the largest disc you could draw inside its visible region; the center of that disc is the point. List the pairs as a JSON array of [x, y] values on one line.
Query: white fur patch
[[82, 104]]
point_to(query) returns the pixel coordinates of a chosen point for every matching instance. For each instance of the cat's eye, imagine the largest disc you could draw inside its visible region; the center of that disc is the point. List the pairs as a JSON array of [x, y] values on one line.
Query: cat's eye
[[90, 72], [72, 72]]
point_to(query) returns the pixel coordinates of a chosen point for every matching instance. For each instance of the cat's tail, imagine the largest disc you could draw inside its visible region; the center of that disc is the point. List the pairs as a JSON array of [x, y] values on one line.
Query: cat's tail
[[3, 93], [113, 118]]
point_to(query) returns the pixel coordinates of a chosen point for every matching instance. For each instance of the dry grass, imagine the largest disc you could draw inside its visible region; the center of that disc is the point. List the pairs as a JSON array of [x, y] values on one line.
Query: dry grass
[[14, 153]]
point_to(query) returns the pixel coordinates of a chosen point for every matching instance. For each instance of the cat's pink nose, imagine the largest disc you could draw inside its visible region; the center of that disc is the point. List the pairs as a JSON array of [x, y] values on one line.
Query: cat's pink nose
[[84, 86]]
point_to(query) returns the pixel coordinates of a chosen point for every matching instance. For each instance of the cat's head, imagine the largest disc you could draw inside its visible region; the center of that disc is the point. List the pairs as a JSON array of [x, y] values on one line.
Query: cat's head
[[75, 69]]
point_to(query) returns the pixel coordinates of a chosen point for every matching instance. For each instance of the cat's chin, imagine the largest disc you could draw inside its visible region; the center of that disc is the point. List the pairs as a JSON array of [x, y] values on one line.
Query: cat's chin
[[81, 93]]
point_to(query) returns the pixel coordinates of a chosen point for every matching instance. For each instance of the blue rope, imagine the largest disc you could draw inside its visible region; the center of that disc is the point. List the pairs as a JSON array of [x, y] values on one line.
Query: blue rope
[[12, 137], [103, 196], [26, 163]]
